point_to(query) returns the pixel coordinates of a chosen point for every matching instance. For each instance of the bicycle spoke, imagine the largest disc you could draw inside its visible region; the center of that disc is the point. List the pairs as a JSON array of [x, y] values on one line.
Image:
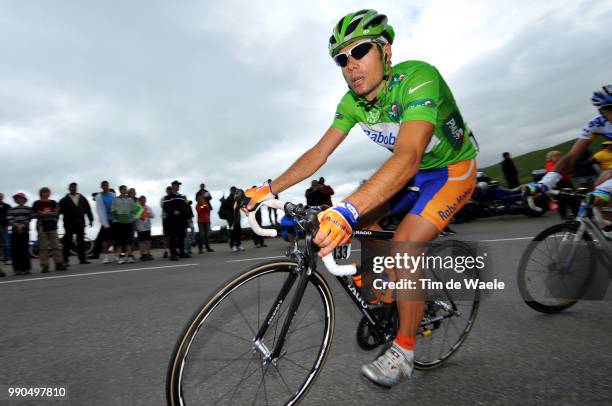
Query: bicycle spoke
[[303, 349], [295, 363], [283, 379], [230, 363], [231, 334], [259, 387], [303, 317], [302, 327], [264, 383], [235, 386], [239, 382], [242, 315]]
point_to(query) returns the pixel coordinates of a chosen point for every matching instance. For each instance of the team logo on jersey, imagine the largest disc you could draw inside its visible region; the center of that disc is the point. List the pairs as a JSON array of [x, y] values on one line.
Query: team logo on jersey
[[454, 130], [373, 116], [395, 80], [421, 103], [395, 112], [339, 116]]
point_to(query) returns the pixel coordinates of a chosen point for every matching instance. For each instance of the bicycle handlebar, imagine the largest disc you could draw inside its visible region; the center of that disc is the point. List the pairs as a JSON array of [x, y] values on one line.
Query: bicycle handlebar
[[597, 216], [328, 260]]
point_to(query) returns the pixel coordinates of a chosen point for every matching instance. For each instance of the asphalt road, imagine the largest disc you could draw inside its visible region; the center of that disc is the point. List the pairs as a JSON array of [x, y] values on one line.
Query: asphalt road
[[107, 331]]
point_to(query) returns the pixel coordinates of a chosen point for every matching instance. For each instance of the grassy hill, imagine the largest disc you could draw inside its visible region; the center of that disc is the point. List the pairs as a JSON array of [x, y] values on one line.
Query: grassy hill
[[534, 160]]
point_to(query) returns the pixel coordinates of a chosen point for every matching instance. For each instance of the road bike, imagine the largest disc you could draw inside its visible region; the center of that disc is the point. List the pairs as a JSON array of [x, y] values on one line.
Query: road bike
[[560, 263], [263, 337]]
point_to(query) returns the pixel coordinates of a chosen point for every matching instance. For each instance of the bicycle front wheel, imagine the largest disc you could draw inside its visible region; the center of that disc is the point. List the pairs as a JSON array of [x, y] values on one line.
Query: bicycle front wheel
[[545, 265], [216, 359]]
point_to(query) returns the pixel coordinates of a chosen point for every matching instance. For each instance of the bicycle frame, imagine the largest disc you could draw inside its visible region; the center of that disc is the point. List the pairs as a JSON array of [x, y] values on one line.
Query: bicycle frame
[[586, 224], [308, 265]]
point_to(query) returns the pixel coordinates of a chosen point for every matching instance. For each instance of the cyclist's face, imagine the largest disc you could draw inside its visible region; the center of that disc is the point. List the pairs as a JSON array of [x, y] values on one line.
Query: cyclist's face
[[364, 76], [607, 113]]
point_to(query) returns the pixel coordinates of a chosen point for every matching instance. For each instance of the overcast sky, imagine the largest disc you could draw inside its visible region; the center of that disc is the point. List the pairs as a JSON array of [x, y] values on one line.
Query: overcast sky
[[232, 92]]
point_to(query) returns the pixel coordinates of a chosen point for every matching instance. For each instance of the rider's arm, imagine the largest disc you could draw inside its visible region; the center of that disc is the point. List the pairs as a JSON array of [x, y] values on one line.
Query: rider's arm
[[310, 161], [566, 163], [412, 140]]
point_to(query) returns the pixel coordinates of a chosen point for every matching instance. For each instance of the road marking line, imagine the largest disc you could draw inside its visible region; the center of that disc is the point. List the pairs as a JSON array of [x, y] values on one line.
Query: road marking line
[[507, 239], [44, 278], [255, 259]]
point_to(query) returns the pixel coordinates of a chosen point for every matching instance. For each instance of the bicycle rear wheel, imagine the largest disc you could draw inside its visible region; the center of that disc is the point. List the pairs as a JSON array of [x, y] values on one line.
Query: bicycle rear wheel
[[447, 321], [540, 268], [215, 360]]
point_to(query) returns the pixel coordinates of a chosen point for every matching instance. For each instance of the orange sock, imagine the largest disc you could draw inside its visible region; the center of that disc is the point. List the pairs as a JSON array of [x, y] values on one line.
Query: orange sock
[[406, 343]]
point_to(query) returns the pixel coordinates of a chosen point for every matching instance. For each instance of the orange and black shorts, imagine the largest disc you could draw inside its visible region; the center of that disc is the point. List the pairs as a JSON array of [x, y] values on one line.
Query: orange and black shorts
[[436, 194]]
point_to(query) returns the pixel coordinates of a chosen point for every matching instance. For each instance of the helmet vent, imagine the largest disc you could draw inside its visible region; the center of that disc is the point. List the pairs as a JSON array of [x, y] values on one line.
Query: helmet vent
[[375, 21], [351, 27], [332, 40], [339, 26], [360, 12]]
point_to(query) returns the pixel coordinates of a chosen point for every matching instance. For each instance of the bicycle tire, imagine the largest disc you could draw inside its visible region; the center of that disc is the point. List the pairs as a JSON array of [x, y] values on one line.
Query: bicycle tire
[[471, 310], [522, 278], [33, 250], [178, 362], [89, 246]]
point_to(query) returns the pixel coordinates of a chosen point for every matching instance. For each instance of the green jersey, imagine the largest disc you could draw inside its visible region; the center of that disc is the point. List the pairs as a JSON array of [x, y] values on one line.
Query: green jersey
[[415, 91]]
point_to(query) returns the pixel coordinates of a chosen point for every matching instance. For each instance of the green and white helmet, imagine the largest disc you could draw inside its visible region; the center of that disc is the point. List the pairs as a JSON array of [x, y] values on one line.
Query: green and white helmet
[[365, 23]]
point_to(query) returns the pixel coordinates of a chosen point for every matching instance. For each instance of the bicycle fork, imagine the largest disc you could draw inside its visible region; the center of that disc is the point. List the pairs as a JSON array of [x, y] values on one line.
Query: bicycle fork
[[271, 355]]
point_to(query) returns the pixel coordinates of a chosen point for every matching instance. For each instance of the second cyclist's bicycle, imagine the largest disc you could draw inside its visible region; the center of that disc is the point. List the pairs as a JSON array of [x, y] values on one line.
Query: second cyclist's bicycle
[[560, 263]]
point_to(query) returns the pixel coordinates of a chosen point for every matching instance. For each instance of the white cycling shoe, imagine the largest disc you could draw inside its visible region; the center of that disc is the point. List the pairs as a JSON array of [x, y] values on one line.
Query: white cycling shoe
[[390, 367]]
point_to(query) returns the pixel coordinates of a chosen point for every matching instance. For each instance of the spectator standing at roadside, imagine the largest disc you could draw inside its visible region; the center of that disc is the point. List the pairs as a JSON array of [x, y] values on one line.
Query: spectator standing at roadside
[[314, 195], [5, 241], [326, 192], [19, 220], [143, 227], [123, 209], [176, 217], [104, 201], [46, 211], [204, 193], [203, 211], [604, 156], [190, 229], [232, 216], [273, 211], [73, 208], [165, 227], [134, 196], [509, 170]]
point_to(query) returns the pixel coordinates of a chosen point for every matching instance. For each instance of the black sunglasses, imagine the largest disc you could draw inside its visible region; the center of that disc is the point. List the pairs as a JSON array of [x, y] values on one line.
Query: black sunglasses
[[357, 52]]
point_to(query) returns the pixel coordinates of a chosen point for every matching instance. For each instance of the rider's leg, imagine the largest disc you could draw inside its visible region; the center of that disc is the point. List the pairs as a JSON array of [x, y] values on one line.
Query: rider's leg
[[442, 192], [604, 177], [413, 229]]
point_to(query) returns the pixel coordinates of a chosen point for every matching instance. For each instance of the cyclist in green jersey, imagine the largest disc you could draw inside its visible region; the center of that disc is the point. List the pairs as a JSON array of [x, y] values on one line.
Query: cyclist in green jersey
[[409, 109]]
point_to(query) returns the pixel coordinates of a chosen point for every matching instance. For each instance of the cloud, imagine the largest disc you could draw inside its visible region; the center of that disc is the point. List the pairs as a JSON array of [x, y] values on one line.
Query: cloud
[[232, 93]]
